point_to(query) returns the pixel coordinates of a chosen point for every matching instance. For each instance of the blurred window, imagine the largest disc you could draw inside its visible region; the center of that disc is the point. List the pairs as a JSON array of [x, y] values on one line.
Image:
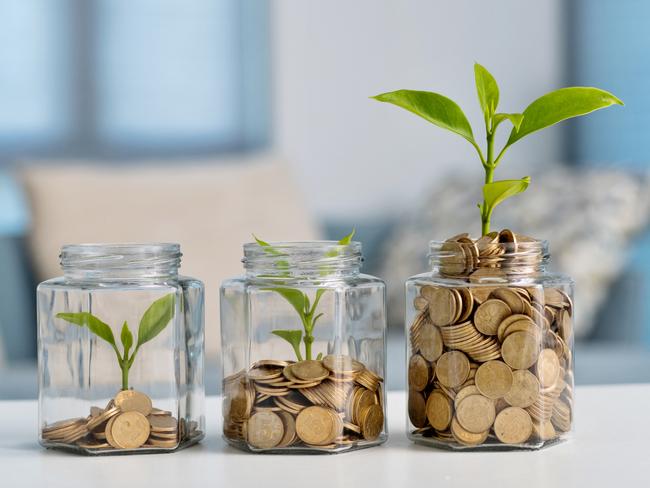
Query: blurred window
[[118, 78]]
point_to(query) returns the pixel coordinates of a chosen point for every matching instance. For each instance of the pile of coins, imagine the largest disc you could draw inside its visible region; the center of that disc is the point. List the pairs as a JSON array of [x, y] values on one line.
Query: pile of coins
[[327, 404], [129, 421], [494, 255], [491, 365]]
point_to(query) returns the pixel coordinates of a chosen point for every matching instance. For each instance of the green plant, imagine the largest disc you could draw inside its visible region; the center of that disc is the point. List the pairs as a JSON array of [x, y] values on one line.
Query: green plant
[[299, 300], [153, 322], [544, 112]]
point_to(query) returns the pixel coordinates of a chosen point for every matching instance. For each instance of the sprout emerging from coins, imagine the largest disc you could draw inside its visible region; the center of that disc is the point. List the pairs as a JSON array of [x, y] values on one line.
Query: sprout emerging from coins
[[544, 112], [299, 300], [153, 322]]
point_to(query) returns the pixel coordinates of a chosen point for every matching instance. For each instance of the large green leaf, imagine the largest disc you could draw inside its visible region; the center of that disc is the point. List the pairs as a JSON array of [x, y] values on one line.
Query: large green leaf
[[486, 89], [435, 108], [560, 105], [496, 192], [155, 318], [295, 297], [95, 325], [127, 339], [293, 337]]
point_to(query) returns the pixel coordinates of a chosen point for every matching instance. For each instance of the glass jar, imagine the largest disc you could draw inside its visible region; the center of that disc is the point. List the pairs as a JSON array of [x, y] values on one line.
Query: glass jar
[[303, 349], [490, 346], [120, 351]]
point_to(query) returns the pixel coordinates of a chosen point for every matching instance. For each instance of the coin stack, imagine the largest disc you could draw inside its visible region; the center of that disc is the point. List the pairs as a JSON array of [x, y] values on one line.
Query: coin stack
[[329, 404], [491, 365], [129, 421]]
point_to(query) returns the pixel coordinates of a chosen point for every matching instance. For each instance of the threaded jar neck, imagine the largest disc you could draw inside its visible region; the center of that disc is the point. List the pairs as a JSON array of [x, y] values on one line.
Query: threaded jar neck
[[116, 262], [309, 260], [486, 259]]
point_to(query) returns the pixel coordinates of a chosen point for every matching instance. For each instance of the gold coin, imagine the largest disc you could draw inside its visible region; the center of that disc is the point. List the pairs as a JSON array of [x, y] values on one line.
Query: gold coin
[[162, 423], [525, 389], [511, 298], [490, 314], [310, 370], [465, 392], [318, 425], [494, 379], [430, 342], [508, 321], [417, 409], [164, 435], [289, 423], [476, 413], [63, 424], [519, 350], [130, 429], [454, 259], [443, 306], [109, 413], [548, 368], [544, 431], [452, 369], [265, 430], [465, 436], [513, 425], [372, 422], [109, 435], [420, 303], [467, 301], [439, 410], [342, 364], [278, 363], [133, 401], [418, 373], [161, 443]]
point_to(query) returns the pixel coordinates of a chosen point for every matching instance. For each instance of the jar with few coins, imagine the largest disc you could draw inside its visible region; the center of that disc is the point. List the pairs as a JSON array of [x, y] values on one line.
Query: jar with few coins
[[120, 351], [490, 346], [303, 350]]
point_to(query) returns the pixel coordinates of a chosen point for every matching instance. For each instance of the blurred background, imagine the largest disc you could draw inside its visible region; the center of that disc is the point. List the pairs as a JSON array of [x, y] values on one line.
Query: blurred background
[[201, 121]]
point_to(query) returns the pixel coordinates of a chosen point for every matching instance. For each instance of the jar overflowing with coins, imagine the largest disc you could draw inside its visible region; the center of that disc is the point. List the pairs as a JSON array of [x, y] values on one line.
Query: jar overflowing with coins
[[303, 343], [120, 351], [490, 346]]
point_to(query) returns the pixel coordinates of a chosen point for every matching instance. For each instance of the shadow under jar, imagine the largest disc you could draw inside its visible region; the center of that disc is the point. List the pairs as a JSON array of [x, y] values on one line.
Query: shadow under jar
[[490, 346], [120, 351], [303, 349]]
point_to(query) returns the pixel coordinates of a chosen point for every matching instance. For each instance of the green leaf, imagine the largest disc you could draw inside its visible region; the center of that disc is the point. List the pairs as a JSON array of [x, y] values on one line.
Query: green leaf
[[496, 192], [127, 339], [295, 297], [347, 239], [293, 337], [560, 105], [319, 294], [95, 325], [487, 90], [313, 323], [156, 318], [435, 108], [515, 119], [320, 356]]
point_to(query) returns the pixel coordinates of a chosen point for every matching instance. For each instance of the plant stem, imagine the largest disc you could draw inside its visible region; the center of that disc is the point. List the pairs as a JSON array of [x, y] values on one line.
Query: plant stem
[[489, 176], [125, 374], [308, 339]]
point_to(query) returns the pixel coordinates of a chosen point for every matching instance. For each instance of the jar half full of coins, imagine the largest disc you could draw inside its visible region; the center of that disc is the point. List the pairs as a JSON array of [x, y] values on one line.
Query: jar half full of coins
[[120, 351], [303, 340], [490, 346]]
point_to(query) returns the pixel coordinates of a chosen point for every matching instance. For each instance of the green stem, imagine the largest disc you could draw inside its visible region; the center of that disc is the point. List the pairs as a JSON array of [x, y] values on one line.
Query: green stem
[[125, 375], [489, 176], [308, 339]]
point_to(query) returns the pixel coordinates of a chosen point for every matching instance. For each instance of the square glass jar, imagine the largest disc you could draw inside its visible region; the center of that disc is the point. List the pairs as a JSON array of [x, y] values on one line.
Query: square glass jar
[[489, 346], [303, 350], [120, 351]]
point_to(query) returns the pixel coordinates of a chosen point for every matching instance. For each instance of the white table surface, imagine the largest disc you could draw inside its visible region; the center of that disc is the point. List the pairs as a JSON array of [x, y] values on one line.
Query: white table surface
[[610, 448]]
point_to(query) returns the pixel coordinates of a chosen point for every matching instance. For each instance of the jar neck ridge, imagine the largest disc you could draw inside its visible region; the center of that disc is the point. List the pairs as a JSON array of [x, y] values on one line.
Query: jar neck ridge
[[118, 262]]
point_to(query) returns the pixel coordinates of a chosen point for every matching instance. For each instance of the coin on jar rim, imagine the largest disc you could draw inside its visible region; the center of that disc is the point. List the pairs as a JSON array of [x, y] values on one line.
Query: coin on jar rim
[[452, 369], [513, 425], [476, 413], [490, 314], [265, 429], [494, 379], [439, 410], [525, 389], [132, 400]]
